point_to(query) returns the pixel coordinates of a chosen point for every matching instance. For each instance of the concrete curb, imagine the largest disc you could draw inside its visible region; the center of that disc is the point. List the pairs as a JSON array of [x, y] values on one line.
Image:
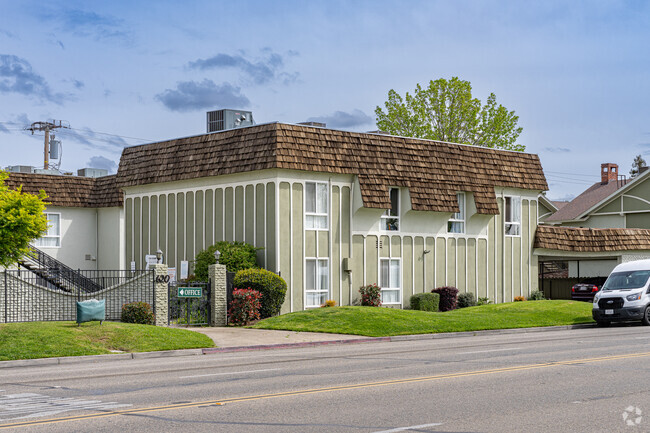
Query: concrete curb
[[211, 351]]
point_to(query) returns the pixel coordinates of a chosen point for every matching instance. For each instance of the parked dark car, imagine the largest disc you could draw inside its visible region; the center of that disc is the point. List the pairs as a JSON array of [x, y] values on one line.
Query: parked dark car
[[586, 289]]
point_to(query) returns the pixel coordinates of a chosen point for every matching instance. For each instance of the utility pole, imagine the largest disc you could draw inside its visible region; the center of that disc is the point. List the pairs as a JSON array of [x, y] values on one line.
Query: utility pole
[[46, 127]]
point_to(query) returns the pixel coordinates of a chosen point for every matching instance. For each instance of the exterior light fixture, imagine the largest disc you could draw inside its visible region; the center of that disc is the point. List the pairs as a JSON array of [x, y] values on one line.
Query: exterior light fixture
[[217, 254], [159, 256]]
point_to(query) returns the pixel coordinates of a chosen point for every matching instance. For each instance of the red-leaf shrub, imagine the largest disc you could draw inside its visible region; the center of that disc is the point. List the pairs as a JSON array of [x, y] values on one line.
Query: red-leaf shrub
[[448, 297], [370, 295], [244, 307]]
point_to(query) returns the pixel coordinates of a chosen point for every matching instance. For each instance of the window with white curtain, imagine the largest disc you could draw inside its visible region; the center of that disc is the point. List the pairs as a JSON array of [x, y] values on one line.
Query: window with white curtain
[[456, 223], [512, 216], [316, 282], [389, 281], [53, 236], [390, 218], [316, 206]]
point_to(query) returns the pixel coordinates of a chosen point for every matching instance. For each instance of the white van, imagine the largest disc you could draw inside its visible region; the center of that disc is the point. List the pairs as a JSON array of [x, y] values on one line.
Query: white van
[[625, 296]]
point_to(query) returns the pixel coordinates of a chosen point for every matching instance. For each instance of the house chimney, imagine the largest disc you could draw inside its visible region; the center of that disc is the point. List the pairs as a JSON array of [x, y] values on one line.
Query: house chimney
[[608, 173]]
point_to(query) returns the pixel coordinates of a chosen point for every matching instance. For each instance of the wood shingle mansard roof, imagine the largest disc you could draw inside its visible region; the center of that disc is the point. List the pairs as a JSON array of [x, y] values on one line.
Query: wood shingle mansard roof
[[591, 240], [432, 171], [70, 191]]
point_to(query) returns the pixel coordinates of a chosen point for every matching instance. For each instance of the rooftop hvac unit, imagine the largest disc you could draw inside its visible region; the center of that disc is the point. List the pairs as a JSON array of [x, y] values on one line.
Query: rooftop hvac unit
[[46, 171], [220, 120], [20, 169], [92, 172]]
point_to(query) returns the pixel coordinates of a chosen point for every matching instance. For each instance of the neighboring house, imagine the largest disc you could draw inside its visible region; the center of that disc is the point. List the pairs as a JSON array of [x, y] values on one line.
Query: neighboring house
[[333, 210], [602, 227], [84, 216]]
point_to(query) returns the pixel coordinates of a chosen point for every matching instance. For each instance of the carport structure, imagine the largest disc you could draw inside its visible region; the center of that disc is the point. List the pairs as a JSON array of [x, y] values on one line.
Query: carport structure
[[567, 255]]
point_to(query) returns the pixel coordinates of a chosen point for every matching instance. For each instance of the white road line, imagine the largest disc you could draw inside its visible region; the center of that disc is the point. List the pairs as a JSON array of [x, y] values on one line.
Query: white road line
[[232, 372], [641, 338], [413, 427], [28, 405], [488, 351]]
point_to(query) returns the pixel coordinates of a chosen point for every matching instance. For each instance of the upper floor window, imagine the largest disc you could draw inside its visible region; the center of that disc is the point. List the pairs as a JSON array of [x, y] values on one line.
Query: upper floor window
[[456, 223], [316, 205], [52, 238], [390, 218], [513, 216]]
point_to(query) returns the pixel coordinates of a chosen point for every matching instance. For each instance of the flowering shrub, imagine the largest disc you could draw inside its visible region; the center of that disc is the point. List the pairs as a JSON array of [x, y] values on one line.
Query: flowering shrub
[[370, 295], [244, 307], [519, 298], [138, 312], [329, 303], [272, 287], [448, 297]]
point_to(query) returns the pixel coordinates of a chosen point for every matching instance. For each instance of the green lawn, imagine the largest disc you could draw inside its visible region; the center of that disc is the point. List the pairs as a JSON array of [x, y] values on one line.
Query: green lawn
[[381, 322], [53, 339]]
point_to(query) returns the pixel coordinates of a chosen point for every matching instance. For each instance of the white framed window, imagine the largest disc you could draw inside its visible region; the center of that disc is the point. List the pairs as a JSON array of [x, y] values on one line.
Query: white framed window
[[456, 223], [316, 282], [389, 281], [390, 218], [316, 206], [512, 218], [53, 236]]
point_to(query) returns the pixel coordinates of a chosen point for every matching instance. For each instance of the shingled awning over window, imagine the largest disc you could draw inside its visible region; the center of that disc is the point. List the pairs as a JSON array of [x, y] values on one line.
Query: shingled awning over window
[[591, 240], [433, 171]]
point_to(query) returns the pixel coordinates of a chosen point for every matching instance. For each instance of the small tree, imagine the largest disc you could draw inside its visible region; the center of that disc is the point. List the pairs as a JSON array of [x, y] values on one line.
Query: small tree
[[638, 164], [21, 221]]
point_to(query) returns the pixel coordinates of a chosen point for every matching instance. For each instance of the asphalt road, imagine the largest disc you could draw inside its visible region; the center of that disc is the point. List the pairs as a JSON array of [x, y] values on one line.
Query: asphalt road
[[581, 380]]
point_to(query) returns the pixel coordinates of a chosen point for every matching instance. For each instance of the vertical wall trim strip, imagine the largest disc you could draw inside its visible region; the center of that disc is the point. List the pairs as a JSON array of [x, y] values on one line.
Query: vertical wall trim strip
[[277, 223], [291, 274]]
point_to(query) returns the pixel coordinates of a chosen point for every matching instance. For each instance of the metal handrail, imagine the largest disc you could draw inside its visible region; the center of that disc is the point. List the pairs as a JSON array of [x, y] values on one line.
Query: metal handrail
[[60, 274]]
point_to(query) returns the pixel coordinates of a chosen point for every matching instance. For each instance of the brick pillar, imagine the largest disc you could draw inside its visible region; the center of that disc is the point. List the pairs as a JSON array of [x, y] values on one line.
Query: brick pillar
[[161, 295], [219, 297]]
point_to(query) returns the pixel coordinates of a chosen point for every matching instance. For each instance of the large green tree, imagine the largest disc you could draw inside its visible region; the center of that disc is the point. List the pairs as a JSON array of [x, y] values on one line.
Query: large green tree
[[446, 111], [21, 221]]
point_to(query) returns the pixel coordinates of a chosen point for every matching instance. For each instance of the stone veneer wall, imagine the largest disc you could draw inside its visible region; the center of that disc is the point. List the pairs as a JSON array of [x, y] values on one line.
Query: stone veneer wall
[[27, 302]]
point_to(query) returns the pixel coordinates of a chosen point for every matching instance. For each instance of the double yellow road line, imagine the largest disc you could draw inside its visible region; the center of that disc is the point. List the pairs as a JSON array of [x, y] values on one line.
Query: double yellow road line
[[324, 390]]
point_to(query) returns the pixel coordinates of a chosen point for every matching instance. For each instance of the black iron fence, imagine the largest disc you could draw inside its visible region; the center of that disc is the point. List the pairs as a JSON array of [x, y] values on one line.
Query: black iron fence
[[28, 296], [189, 303]]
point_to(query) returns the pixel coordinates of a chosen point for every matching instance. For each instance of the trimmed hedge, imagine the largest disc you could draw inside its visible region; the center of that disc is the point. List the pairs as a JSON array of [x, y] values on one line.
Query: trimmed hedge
[[448, 297], [138, 312], [235, 255], [466, 300], [272, 287], [425, 301]]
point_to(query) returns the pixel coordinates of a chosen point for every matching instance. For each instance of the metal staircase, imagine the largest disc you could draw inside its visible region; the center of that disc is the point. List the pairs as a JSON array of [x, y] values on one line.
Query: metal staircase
[[56, 274]]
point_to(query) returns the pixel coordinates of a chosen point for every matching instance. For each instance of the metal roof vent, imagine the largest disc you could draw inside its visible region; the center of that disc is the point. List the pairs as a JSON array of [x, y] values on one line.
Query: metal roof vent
[[220, 120]]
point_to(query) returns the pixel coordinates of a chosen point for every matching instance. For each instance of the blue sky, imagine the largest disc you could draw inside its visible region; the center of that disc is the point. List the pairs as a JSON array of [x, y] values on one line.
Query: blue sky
[[128, 72]]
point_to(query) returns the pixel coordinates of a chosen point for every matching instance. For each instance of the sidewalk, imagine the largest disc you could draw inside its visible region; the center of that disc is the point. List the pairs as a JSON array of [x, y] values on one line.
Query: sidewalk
[[241, 337]]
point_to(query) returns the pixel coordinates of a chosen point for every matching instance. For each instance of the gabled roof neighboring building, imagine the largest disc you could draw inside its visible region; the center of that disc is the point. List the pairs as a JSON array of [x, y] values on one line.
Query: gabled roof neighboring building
[[432, 171]]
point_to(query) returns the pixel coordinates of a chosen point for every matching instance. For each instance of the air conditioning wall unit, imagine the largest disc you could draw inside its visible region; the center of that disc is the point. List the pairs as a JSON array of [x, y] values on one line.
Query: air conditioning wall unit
[[221, 120]]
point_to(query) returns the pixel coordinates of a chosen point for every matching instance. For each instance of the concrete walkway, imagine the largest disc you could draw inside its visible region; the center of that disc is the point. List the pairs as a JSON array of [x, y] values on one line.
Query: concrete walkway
[[240, 337]]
